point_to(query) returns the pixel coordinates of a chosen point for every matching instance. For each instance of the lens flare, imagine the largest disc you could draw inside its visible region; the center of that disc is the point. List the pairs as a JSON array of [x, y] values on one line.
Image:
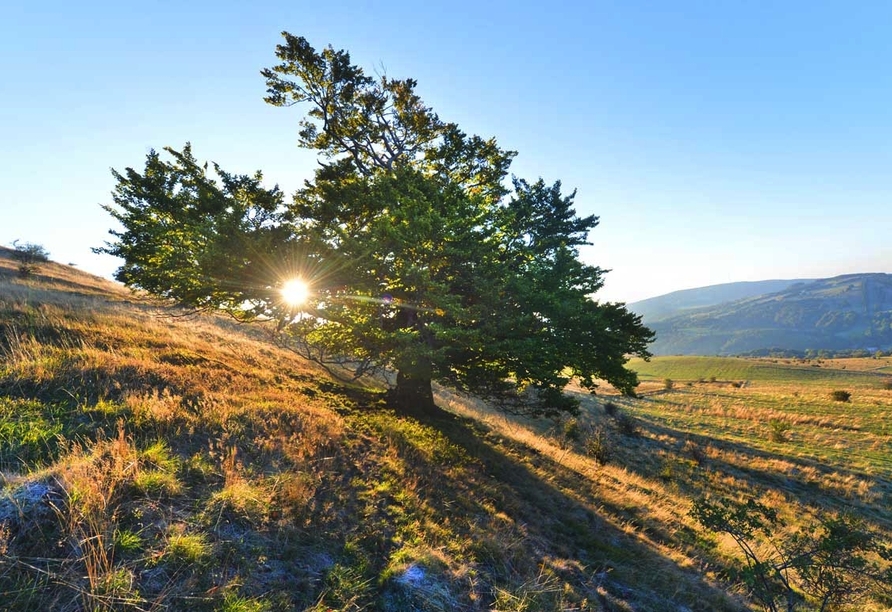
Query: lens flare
[[295, 292]]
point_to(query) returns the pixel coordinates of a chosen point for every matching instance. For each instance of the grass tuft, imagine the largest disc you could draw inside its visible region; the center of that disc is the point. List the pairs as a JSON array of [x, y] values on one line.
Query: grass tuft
[[238, 502], [154, 483], [778, 430], [186, 549]]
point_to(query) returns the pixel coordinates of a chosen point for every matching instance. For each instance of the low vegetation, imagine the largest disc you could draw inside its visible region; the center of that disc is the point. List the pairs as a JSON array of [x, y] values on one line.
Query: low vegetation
[[840, 395], [831, 561], [29, 257], [159, 462]]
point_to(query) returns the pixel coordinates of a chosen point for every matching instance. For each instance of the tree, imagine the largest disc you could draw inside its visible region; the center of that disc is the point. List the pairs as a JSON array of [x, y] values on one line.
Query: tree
[[30, 256], [419, 258]]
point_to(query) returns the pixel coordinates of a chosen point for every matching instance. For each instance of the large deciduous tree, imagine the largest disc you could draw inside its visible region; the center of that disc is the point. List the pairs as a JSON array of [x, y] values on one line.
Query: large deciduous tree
[[420, 258]]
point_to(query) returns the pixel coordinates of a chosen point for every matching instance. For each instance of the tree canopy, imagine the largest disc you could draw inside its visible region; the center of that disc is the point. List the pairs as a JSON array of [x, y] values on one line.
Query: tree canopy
[[419, 255]]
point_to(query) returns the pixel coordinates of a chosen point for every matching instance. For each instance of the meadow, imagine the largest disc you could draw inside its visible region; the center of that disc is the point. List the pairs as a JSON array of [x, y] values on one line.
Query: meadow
[[155, 461]]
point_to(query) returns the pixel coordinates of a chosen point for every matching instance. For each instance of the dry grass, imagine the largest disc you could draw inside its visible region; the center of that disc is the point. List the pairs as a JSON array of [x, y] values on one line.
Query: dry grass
[[180, 463], [716, 438]]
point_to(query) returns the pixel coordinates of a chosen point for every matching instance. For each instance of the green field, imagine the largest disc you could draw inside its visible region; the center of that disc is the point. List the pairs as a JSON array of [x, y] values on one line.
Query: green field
[[861, 372], [745, 395]]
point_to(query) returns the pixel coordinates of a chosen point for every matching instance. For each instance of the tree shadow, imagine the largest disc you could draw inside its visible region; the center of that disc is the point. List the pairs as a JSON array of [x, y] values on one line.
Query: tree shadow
[[657, 440], [507, 493]]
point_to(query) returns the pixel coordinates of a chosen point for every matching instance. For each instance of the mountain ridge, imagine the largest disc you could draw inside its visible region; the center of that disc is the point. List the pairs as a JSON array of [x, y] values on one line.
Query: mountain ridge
[[849, 312], [670, 304]]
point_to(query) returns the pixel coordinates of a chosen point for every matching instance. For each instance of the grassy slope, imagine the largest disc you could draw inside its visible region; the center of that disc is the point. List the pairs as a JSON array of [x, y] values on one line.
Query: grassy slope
[[836, 455], [151, 462]]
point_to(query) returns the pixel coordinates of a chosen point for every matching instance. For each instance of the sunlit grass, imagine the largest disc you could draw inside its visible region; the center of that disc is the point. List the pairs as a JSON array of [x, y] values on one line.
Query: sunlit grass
[[159, 460]]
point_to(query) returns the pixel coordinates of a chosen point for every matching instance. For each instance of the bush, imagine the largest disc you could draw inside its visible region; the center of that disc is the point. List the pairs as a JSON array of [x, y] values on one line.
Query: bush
[[157, 482], [598, 446], [626, 424], [693, 450], [571, 429], [187, 549], [840, 395], [668, 384], [779, 430], [29, 256], [611, 409], [888, 385]]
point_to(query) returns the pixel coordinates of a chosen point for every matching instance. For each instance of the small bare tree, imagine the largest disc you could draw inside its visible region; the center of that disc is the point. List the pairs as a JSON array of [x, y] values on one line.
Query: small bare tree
[[834, 561], [30, 256]]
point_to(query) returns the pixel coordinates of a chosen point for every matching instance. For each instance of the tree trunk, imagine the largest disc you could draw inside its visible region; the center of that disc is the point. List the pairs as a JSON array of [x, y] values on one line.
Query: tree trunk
[[413, 393]]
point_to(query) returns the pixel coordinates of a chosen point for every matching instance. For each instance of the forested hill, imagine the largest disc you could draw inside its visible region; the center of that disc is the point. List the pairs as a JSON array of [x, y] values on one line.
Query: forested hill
[[850, 312], [681, 302]]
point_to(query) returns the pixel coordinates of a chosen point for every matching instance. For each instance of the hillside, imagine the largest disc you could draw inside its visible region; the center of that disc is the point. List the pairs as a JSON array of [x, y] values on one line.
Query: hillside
[[154, 461], [681, 302], [848, 312]]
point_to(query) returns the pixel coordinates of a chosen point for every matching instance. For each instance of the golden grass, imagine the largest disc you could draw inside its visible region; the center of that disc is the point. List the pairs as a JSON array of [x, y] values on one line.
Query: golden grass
[[200, 467]]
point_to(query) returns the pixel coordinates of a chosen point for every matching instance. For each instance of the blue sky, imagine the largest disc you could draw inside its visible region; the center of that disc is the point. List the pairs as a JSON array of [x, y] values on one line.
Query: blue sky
[[716, 141]]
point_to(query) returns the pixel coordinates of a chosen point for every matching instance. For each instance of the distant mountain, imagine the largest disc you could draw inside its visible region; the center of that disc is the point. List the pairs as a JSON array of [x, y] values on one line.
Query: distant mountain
[[847, 312], [679, 302]]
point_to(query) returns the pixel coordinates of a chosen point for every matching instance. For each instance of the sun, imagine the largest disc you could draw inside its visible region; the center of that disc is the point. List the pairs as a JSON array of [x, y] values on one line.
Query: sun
[[295, 291]]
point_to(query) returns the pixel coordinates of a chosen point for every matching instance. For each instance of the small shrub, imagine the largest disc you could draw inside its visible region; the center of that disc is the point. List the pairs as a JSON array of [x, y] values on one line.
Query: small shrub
[[571, 429], [693, 450], [347, 587], [736, 384], [668, 383], [611, 409], [238, 502], [598, 446], [29, 256], [887, 385], [840, 396], [835, 558], [779, 430], [158, 476], [712, 379], [236, 603], [114, 584], [158, 455], [626, 424]]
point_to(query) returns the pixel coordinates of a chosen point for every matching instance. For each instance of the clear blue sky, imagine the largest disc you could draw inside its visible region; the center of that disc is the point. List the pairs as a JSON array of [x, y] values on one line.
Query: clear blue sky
[[717, 141]]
